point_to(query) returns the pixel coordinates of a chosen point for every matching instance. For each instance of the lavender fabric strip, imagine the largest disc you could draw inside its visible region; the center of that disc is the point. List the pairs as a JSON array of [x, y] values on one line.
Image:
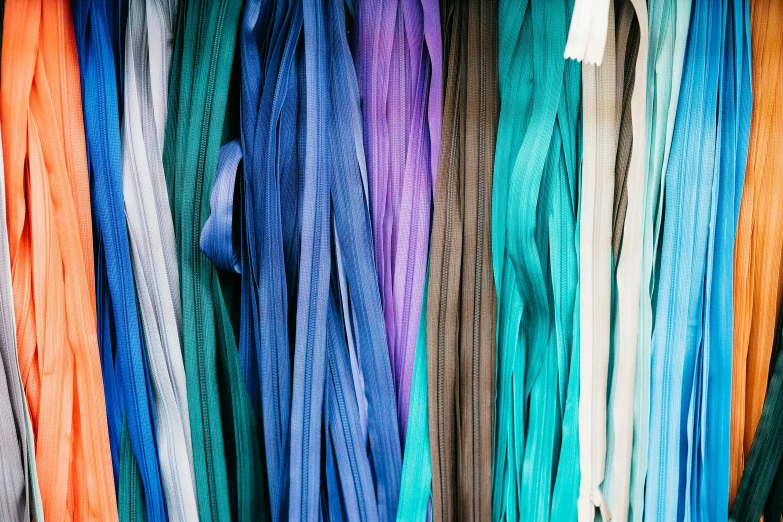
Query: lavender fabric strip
[[398, 61]]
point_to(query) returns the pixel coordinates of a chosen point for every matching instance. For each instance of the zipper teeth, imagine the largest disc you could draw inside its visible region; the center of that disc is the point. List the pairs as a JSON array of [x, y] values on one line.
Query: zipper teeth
[[195, 242], [274, 362], [315, 267], [348, 439], [478, 275], [442, 307], [667, 358], [112, 223]]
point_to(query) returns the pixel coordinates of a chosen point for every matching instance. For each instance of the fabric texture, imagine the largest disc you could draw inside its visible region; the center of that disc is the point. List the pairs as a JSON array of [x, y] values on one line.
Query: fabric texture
[[461, 303], [757, 256], [225, 442], [48, 217], [535, 259], [399, 68]]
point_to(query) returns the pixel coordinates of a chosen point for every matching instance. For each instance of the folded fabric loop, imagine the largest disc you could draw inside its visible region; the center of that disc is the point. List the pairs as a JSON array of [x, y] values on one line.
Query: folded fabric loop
[[597, 500], [220, 235], [588, 31]]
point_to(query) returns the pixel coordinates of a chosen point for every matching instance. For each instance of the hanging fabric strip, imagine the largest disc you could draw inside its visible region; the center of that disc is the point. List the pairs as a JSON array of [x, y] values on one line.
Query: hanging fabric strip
[[16, 494], [50, 244], [398, 61], [119, 332], [668, 26], [764, 465], [757, 258], [148, 46], [314, 273], [628, 211], [226, 452], [595, 268], [711, 411], [416, 482], [17, 450], [461, 303], [534, 244], [361, 310], [271, 68], [681, 347]]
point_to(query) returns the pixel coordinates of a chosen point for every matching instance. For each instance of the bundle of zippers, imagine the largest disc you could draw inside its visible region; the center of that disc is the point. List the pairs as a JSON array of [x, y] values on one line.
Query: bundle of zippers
[[391, 260]]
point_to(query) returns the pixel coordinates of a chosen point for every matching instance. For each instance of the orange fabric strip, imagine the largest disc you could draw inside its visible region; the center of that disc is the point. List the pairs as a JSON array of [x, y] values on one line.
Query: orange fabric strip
[[757, 255], [50, 242]]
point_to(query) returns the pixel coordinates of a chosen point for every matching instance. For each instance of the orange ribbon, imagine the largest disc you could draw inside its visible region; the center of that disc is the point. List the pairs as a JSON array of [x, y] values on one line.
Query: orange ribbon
[[50, 242], [757, 255]]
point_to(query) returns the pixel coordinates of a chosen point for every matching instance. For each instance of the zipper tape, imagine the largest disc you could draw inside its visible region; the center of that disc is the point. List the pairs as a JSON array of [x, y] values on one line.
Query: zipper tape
[[16, 498], [219, 238], [416, 481], [149, 38], [600, 131], [44, 149], [765, 459], [398, 63], [757, 256], [679, 350], [668, 32], [591, 26], [535, 238], [223, 432], [270, 236], [461, 301], [119, 330], [362, 310], [627, 253], [709, 497]]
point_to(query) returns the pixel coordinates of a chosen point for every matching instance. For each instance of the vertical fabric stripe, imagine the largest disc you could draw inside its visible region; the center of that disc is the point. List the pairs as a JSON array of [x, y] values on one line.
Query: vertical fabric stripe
[[668, 25], [50, 244], [398, 63], [125, 374], [757, 256], [535, 237], [226, 452], [600, 128], [148, 46], [461, 303], [627, 252]]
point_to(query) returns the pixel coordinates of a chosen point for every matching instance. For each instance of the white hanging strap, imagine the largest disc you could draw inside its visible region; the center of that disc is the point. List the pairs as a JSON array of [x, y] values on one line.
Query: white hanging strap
[[588, 31], [595, 272]]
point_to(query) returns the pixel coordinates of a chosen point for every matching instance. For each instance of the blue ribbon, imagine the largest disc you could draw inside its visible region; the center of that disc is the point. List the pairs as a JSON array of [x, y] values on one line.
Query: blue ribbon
[[126, 379]]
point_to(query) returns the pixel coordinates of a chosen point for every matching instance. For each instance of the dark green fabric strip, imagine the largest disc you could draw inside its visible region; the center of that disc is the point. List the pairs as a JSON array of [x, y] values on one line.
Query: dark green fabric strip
[[226, 451]]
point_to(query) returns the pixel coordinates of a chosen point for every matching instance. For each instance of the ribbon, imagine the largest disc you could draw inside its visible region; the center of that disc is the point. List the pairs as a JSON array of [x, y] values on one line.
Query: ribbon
[[398, 62], [534, 244], [226, 450], [128, 397], [50, 244]]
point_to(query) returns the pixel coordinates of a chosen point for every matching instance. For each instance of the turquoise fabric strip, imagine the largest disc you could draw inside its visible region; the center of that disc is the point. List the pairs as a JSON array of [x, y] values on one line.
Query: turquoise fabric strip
[[668, 31], [416, 483], [534, 242], [683, 349]]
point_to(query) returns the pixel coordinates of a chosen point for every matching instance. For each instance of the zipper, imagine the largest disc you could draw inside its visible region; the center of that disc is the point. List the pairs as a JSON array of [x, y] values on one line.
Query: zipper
[[479, 269], [441, 355], [195, 246]]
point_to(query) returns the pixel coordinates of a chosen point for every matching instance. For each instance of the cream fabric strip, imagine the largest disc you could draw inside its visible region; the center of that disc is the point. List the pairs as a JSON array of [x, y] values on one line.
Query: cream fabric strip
[[601, 122], [629, 285]]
